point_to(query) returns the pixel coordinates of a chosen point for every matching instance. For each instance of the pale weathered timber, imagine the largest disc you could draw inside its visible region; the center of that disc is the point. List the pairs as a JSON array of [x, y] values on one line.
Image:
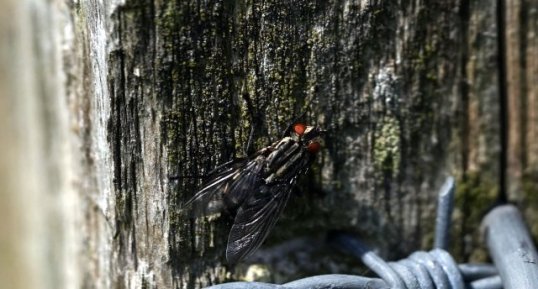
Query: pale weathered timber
[[39, 202], [521, 52]]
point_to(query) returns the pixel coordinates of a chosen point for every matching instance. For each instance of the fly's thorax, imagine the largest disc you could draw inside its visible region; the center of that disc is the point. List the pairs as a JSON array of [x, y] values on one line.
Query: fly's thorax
[[280, 152], [288, 159]]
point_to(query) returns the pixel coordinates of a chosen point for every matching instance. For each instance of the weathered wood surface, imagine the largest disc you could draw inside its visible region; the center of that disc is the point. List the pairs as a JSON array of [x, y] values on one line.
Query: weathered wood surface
[[410, 92], [39, 200], [521, 50]]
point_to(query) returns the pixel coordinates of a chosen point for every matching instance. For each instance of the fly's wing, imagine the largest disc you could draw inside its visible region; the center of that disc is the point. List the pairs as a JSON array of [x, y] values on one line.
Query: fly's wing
[[250, 177], [209, 198], [228, 188], [255, 218]]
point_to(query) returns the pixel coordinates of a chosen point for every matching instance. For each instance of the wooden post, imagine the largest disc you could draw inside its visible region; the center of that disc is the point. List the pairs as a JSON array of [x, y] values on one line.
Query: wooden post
[[113, 112]]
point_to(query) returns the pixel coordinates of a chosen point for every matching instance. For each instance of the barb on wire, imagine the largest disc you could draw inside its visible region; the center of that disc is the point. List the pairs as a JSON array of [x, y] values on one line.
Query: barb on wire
[[511, 247], [445, 206]]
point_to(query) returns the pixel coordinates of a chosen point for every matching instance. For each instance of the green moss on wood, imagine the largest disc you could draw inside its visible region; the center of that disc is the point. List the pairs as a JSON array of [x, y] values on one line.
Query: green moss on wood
[[474, 196], [387, 146], [529, 187]]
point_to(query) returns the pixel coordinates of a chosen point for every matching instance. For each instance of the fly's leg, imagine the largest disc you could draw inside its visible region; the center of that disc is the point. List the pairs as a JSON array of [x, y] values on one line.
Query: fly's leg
[[248, 149], [254, 120], [177, 177], [212, 172]]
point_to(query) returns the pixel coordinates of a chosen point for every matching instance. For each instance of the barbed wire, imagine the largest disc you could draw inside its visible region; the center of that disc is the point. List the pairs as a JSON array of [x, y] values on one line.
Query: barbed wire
[[508, 240]]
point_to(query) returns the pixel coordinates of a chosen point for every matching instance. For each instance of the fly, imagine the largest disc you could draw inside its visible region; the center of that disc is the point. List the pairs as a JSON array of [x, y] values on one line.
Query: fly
[[256, 189]]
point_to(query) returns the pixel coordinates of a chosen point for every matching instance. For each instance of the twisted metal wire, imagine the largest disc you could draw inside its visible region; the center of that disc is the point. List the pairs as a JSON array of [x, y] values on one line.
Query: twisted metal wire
[[331, 281], [434, 269]]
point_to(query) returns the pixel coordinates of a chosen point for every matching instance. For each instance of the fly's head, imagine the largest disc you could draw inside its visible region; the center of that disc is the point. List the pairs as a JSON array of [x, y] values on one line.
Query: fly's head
[[308, 136]]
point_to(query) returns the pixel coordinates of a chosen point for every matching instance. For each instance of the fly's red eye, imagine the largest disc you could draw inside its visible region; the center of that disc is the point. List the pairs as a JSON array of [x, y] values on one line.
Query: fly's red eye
[[313, 147], [299, 128]]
